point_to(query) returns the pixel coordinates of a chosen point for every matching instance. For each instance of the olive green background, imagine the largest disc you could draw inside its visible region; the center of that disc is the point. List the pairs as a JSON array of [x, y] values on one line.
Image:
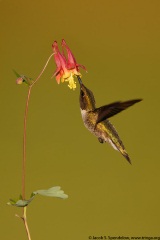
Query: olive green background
[[119, 43]]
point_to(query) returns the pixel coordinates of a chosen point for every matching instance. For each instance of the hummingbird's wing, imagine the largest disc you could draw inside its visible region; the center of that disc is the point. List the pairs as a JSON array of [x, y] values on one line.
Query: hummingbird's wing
[[112, 109]]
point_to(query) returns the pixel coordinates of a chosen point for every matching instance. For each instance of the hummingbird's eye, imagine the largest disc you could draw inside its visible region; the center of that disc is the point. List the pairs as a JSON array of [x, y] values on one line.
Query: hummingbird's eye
[[82, 93]]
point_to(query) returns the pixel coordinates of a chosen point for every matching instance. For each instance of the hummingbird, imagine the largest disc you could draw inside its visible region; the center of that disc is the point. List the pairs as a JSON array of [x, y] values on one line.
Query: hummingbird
[[96, 119]]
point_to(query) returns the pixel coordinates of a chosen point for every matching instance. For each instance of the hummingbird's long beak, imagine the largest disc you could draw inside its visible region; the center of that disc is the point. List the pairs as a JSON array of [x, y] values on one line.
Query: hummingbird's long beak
[[79, 80]]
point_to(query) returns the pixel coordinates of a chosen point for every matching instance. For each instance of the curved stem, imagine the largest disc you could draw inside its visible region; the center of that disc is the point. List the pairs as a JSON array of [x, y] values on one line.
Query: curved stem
[[25, 123], [42, 70], [24, 147]]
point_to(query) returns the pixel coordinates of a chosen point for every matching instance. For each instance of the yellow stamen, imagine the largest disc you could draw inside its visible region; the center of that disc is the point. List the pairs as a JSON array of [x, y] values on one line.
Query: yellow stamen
[[71, 82]]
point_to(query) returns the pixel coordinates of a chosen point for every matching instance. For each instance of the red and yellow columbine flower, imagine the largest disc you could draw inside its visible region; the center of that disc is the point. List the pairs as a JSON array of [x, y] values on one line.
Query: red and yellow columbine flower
[[67, 66]]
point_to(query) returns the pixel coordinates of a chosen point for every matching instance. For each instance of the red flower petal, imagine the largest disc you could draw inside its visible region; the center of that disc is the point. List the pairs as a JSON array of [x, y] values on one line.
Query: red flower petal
[[71, 61], [66, 67]]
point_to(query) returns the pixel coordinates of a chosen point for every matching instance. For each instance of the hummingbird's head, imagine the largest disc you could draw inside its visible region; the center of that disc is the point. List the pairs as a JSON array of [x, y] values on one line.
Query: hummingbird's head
[[86, 98]]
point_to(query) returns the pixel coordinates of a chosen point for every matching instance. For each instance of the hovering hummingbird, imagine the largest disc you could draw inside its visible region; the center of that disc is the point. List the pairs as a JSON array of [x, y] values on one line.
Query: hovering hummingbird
[[96, 119]]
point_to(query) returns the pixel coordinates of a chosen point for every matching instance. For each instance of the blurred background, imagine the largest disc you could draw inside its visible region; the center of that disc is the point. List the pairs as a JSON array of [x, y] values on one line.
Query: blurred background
[[118, 42]]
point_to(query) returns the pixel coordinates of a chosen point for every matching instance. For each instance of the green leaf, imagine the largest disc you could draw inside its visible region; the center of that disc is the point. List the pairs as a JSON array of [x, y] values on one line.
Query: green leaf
[[20, 202], [52, 192], [17, 74], [22, 79], [11, 202]]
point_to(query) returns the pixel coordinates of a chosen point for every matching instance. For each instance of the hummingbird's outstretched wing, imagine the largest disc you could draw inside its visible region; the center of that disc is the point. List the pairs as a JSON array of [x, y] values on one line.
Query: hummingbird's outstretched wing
[[112, 109]]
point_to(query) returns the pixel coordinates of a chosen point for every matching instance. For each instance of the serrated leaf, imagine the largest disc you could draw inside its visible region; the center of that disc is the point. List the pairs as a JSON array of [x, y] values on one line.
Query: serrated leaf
[[52, 192]]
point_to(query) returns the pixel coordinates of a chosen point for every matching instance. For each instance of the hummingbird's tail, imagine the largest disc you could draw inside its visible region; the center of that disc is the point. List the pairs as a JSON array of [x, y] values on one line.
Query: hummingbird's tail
[[125, 154], [121, 149], [114, 139]]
